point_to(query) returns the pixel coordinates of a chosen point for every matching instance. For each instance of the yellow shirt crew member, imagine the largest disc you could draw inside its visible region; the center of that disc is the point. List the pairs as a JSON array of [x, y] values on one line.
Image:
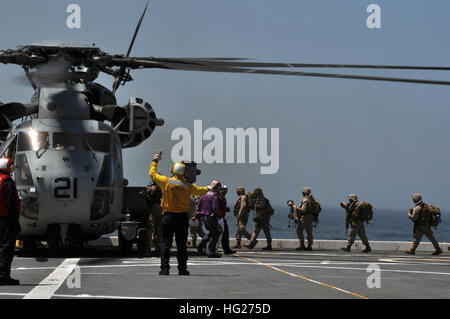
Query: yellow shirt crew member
[[175, 203], [176, 192]]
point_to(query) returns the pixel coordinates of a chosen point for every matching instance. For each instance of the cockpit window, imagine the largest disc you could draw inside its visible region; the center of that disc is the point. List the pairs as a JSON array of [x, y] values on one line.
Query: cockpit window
[[32, 141], [22, 173], [97, 142], [66, 141]]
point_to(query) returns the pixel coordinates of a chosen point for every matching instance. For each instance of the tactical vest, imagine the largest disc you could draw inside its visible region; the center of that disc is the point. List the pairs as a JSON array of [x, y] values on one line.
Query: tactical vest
[[3, 212], [237, 206]]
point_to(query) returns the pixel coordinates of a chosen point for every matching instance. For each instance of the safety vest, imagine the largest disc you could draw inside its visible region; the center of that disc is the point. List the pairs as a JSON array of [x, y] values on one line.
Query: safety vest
[[176, 196], [3, 212]]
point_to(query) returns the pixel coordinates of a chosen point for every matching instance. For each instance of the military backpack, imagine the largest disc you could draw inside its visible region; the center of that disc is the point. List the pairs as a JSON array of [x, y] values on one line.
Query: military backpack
[[315, 206], [364, 211], [250, 200], [434, 215], [269, 209], [263, 216]]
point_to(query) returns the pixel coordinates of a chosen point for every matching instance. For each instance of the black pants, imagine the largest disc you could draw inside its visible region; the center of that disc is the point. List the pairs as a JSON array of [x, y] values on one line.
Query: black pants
[[8, 232], [212, 237], [225, 237], [174, 223]]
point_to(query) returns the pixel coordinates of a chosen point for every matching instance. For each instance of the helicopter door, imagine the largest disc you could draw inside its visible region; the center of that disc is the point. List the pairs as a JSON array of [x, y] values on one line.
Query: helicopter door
[[8, 148]]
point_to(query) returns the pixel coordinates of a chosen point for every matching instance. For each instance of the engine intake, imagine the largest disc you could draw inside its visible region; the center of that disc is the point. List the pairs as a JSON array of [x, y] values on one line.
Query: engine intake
[[141, 122]]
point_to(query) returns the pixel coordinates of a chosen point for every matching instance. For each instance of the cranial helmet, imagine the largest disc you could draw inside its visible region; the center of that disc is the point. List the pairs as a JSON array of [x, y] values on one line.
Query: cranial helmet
[[215, 185], [240, 190], [178, 169], [6, 165], [257, 191], [416, 197], [306, 190]]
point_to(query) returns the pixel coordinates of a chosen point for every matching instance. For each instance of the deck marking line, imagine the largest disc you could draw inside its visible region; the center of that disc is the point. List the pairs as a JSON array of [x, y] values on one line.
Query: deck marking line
[[49, 285], [307, 279]]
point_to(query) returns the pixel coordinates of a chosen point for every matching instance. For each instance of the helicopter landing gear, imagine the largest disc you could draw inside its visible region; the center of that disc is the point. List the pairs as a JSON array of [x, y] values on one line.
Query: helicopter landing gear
[[128, 232], [125, 244], [53, 236], [29, 245], [64, 236], [74, 239]]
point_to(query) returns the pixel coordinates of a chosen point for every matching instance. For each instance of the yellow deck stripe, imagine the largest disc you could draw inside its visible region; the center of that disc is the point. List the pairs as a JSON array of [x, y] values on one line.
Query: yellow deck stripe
[[305, 278]]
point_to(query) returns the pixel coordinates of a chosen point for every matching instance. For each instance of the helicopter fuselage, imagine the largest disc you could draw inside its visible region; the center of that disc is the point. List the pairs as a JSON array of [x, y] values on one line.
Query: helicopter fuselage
[[68, 158], [68, 172]]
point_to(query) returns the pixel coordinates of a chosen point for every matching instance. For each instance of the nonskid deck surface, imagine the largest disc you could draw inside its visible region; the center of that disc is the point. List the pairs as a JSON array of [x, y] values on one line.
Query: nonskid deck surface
[[248, 274]]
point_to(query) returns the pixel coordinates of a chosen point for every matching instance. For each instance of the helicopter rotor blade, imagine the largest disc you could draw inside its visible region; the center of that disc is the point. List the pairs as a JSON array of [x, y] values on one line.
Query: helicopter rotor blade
[[237, 62], [189, 66], [121, 72], [137, 30]]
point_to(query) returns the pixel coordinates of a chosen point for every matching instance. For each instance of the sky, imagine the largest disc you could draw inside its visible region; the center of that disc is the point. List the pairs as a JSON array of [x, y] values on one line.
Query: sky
[[381, 140]]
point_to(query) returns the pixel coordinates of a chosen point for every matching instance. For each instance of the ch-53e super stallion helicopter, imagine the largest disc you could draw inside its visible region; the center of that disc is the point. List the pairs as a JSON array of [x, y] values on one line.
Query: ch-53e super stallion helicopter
[[68, 145]]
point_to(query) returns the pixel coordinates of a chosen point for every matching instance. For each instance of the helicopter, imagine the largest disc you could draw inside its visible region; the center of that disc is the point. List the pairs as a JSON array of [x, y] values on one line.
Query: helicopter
[[67, 148]]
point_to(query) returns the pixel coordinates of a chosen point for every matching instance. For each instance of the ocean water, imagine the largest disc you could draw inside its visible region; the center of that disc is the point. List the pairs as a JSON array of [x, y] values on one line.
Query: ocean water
[[386, 225]]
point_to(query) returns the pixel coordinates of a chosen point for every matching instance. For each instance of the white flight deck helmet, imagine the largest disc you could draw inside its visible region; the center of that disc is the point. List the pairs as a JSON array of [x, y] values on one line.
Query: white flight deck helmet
[[215, 185], [178, 169]]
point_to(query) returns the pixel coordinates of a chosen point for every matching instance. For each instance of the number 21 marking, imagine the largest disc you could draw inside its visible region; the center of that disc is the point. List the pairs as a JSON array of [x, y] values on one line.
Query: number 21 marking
[[68, 190]]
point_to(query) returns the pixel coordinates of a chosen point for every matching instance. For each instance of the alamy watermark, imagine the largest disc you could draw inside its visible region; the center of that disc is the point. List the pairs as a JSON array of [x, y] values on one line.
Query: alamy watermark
[[374, 19], [229, 147], [374, 279], [74, 279], [74, 19]]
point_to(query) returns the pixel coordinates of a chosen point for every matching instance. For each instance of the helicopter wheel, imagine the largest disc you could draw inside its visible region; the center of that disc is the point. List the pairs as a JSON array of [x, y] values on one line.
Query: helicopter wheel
[[126, 245]]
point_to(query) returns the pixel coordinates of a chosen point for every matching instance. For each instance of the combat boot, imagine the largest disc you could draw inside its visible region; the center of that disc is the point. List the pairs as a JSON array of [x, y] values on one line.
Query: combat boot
[[201, 250], [301, 247], [346, 248], [309, 248], [164, 272], [229, 252], [192, 244], [410, 252], [367, 250], [268, 247], [238, 244], [251, 244], [437, 252]]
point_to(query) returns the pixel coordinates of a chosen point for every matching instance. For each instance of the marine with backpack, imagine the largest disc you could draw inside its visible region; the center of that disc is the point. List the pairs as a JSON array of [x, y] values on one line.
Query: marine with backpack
[[264, 211], [241, 212], [358, 213], [306, 215], [424, 216]]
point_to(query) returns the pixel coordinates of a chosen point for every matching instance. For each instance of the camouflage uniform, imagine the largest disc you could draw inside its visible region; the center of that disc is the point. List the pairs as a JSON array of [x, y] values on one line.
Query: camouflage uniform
[[262, 221], [196, 230], [241, 211], [153, 224], [305, 219], [356, 223], [422, 225]]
